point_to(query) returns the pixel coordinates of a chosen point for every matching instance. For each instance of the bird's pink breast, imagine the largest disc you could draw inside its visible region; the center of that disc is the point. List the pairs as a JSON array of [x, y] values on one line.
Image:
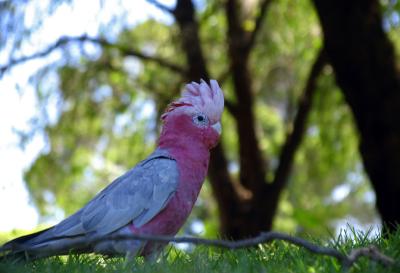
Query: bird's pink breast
[[192, 166]]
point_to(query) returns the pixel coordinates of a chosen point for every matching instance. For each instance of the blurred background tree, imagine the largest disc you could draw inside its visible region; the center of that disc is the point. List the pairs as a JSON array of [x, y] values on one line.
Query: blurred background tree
[[305, 83]]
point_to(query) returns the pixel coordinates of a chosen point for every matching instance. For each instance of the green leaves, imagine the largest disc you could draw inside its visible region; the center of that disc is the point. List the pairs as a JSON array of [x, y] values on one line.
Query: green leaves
[[103, 129]]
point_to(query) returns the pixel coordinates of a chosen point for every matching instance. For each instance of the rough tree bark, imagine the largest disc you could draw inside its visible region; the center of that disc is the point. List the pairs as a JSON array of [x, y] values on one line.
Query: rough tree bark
[[243, 216], [363, 59]]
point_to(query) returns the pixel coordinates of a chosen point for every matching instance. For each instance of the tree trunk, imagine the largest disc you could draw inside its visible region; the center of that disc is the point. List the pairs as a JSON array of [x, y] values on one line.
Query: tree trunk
[[243, 216], [364, 63]]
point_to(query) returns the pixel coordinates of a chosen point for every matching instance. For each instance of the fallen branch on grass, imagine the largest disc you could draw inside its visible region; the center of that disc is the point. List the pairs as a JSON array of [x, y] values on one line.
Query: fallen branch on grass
[[346, 260]]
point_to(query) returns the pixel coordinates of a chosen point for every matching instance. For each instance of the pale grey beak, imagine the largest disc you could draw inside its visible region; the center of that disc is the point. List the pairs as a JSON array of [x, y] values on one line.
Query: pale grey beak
[[217, 127]]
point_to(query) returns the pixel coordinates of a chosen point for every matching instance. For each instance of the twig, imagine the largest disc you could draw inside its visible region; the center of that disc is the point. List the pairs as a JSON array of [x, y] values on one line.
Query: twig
[[161, 6], [127, 51], [265, 237], [372, 252], [47, 51], [131, 52]]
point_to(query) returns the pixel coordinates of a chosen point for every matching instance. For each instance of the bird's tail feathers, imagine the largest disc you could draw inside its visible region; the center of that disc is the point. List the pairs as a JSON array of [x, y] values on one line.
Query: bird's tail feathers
[[31, 247]]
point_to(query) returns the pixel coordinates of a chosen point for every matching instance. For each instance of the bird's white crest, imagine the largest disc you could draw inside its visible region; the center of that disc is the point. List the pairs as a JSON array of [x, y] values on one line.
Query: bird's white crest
[[205, 98]]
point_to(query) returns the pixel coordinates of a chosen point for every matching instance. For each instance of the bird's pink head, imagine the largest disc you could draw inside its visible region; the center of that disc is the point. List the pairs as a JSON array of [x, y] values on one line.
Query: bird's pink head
[[196, 115]]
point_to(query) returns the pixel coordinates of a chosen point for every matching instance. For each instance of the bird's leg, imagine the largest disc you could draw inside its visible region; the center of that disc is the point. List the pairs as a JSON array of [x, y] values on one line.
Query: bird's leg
[[129, 257], [157, 252], [153, 257]]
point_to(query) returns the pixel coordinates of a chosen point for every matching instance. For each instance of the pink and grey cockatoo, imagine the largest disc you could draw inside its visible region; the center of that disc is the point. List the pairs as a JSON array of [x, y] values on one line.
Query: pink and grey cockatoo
[[153, 198]]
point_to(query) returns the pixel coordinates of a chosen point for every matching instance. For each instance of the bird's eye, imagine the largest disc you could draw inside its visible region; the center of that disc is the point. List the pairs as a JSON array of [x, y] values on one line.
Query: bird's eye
[[200, 119]]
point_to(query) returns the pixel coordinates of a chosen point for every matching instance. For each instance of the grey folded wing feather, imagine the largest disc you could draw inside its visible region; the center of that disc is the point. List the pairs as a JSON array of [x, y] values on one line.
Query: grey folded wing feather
[[136, 197]]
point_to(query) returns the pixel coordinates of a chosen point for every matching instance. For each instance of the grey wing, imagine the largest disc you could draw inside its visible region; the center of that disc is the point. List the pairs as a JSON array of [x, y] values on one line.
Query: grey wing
[[136, 197]]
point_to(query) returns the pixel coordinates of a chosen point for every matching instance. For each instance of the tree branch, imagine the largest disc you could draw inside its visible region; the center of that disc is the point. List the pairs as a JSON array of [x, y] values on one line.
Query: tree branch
[[189, 31], [47, 51], [346, 261], [294, 138], [84, 38], [253, 166], [127, 51], [258, 23], [161, 6]]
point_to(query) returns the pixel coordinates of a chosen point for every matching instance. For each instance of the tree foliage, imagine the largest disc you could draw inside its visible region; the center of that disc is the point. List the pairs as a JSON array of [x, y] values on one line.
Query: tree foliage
[[109, 101]]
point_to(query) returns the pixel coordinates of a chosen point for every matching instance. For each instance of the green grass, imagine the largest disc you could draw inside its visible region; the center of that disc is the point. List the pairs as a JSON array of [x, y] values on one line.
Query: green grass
[[275, 257]]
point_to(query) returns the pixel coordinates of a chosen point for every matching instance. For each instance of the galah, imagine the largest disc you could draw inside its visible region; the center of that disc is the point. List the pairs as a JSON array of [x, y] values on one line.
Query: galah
[[153, 198]]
